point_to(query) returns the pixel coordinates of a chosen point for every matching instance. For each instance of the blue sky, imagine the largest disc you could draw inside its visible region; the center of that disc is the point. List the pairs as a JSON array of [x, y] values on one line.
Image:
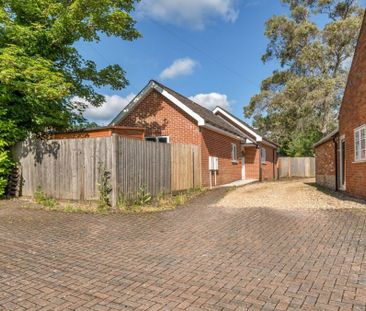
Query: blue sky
[[209, 50]]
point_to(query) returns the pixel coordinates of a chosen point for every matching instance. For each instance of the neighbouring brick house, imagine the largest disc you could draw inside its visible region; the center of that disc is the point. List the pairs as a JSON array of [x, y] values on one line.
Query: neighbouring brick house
[[341, 156], [104, 131], [169, 117], [259, 155]]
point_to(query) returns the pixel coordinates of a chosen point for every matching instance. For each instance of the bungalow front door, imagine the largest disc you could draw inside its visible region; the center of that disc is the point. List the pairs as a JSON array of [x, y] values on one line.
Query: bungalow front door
[[243, 167]]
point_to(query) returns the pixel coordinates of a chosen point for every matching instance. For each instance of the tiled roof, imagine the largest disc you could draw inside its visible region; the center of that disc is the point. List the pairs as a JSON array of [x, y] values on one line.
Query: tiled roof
[[326, 138], [203, 112], [250, 127]]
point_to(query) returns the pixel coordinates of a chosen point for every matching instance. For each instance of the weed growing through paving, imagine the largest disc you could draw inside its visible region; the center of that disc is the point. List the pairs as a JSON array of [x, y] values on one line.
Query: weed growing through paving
[[144, 201], [104, 187], [143, 197], [41, 198]]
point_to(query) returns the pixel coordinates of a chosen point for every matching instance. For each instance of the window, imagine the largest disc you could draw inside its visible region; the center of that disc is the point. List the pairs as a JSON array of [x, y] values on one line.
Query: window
[[150, 139], [163, 139], [158, 139], [234, 153], [263, 155], [360, 143]]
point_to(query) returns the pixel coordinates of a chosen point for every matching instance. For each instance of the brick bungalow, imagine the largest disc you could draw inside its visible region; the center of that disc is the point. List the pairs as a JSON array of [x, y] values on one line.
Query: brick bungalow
[[169, 117], [341, 155], [259, 155]]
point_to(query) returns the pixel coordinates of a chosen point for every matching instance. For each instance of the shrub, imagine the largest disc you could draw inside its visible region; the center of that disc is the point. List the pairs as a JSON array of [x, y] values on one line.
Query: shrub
[[6, 165]]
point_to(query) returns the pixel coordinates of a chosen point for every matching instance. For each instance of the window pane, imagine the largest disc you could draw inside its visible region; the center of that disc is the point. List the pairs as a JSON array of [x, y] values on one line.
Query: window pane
[[163, 139], [264, 155], [357, 145], [363, 154], [233, 152], [357, 136], [150, 138]]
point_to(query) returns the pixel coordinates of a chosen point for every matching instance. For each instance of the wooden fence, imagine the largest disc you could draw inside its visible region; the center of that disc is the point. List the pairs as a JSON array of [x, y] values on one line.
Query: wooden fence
[[186, 167], [68, 169], [296, 167]]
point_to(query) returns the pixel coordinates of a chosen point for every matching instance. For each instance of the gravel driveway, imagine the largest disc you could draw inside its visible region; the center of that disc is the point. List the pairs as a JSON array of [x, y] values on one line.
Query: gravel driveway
[[270, 246], [288, 194]]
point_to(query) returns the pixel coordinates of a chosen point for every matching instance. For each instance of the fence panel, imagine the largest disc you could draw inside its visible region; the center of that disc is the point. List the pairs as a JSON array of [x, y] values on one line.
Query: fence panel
[[296, 167], [142, 163], [186, 167], [64, 169], [67, 169]]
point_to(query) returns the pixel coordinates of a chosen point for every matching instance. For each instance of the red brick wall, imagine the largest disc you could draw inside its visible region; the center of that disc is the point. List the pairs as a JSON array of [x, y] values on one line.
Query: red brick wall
[[252, 155], [252, 168], [162, 118], [252, 163], [353, 115], [217, 145], [325, 165], [268, 168]]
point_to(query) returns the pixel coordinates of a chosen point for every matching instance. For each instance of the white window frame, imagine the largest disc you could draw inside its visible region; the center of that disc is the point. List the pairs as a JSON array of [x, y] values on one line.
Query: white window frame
[[263, 155], [156, 138], [234, 153], [358, 143]]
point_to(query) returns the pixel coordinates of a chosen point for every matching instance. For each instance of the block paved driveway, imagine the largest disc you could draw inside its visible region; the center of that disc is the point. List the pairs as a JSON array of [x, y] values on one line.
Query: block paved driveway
[[273, 246]]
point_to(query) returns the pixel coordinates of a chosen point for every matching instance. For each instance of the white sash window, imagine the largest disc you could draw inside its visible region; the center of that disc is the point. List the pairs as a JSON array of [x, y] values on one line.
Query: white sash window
[[360, 143]]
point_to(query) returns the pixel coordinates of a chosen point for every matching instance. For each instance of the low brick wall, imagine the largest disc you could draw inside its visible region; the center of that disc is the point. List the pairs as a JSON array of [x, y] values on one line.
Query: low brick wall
[[327, 181]]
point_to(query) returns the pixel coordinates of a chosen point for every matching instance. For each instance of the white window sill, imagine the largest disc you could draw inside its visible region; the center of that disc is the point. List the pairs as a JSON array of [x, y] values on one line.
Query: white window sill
[[359, 161], [234, 161]]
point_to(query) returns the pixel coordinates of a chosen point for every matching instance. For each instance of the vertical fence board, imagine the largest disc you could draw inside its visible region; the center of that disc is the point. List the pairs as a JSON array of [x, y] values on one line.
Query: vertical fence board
[[143, 164], [296, 167], [186, 167], [68, 168]]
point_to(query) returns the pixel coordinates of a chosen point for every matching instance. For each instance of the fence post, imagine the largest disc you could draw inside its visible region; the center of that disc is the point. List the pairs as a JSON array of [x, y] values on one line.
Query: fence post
[[114, 169]]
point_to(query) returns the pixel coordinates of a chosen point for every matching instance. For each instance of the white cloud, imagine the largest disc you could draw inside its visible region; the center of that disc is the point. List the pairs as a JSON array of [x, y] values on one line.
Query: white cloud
[[180, 67], [211, 100], [109, 110], [192, 13]]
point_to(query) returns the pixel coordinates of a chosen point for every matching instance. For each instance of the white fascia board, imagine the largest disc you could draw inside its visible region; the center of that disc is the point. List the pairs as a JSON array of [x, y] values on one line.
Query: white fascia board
[[174, 100], [123, 114], [249, 145], [222, 132], [268, 144], [145, 92], [258, 138]]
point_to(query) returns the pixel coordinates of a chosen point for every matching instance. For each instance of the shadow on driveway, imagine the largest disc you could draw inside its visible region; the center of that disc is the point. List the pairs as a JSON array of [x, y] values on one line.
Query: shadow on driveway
[[340, 195]]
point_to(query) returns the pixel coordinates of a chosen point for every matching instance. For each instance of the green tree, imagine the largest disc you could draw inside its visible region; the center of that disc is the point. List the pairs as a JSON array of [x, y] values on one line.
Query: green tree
[[41, 71], [299, 102]]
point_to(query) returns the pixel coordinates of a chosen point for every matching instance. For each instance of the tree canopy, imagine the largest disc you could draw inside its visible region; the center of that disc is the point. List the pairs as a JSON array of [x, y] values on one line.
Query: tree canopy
[[41, 71], [314, 46]]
